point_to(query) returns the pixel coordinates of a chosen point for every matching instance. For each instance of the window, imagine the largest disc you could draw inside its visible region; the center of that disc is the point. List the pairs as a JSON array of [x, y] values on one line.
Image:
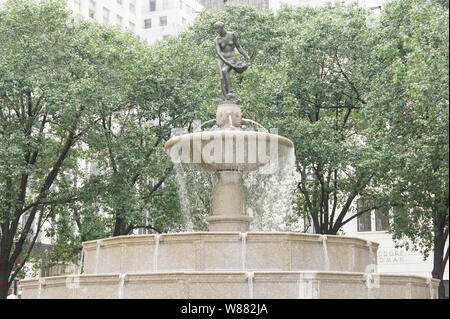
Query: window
[[364, 220], [147, 23], [165, 4], [162, 21], [381, 220], [181, 4], [120, 3], [183, 21], [105, 15], [132, 26], [145, 222], [119, 20], [152, 5], [92, 9], [132, 6], [166, 36]]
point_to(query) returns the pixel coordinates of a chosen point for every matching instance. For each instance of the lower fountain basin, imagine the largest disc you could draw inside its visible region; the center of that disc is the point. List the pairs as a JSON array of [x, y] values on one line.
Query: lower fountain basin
[[229, 149], [232, 285], [229, 265]]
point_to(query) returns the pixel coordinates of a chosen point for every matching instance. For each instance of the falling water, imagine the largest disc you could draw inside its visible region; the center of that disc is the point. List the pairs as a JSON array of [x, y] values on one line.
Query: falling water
[[430, 286], [250, 276], [97, 255], [369, 285], [256, 123], [372, 257], [306, 289], [183, 196], [209, 121], [270, 193], [121, 285], [243, 248], [194, 190], [155, 256], [40, 287], [323, 238], [80, 266], [230, 120]]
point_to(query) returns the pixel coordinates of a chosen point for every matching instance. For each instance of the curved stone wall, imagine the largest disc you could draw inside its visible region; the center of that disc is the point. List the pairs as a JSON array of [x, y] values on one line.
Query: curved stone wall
[[230, 265], [231, 285], [228, 252]]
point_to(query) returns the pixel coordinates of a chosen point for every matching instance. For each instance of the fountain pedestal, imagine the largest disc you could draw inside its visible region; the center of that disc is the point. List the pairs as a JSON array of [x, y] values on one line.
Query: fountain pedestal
[[228, 115], [229, 203], [229, 193]]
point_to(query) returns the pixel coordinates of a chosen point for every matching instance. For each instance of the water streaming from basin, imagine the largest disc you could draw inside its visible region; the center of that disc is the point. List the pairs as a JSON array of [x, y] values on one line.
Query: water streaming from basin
[[121, 286], [323, 239], [269, 195], [97, 256], [155, 254], [243, 249], [80, 263], [250, 276]]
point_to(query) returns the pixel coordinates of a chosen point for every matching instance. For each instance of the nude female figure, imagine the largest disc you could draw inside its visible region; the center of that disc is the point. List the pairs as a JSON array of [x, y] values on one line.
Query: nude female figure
[[226, 43]]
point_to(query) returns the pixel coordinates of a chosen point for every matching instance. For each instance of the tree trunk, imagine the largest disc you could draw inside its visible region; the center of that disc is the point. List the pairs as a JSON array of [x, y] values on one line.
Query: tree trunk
[[4, 282], [438, 252], [120, 226]]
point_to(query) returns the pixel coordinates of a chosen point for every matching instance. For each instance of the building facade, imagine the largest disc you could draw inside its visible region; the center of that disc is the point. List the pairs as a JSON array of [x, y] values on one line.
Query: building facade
[[276, 4], [151, 20], [373, 226], [161, 19]]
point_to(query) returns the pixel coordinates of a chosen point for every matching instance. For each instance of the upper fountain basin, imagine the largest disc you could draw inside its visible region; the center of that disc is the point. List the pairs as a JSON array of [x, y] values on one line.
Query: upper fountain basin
[[229, 149]]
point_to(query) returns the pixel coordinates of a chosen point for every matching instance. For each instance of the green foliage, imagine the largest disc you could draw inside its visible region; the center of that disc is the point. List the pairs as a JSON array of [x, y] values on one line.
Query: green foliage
[[364, 99], [412, 56], [45, 90]]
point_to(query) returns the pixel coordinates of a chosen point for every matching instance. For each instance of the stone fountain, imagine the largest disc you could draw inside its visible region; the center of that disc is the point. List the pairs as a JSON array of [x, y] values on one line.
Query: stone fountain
[[229, 261]]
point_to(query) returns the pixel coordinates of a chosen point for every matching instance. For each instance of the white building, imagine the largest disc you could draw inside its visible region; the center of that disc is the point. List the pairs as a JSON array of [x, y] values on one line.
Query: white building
[[391, 259], [121, 13], [276, 4], [151, 20], [163, 18], [368, 4]]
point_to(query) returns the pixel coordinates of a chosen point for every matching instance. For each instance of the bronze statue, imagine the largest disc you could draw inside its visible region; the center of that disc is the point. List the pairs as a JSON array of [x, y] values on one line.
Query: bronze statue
[[225, 43]]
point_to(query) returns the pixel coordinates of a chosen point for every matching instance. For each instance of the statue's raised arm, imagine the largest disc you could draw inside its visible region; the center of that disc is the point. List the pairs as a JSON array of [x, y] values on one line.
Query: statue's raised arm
[[226, 42]]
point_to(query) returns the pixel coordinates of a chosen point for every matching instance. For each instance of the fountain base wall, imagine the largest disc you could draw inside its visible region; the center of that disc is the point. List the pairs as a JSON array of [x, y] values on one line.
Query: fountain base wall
[[227, 265], [232, 285]]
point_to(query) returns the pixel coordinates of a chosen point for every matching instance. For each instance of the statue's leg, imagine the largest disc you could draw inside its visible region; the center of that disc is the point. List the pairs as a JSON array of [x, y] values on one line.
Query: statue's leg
[[223, 85], [222, 79], [227, 80]]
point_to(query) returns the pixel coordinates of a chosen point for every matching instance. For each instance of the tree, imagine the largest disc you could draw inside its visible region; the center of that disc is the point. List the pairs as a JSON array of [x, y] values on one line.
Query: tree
[[46, 90], [315, 93], [310, 69], [166, 92], [409, 111]]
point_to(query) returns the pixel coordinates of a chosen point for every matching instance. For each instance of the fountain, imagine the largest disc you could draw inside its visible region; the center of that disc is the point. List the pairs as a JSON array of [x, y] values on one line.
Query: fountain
[[230, 261]]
